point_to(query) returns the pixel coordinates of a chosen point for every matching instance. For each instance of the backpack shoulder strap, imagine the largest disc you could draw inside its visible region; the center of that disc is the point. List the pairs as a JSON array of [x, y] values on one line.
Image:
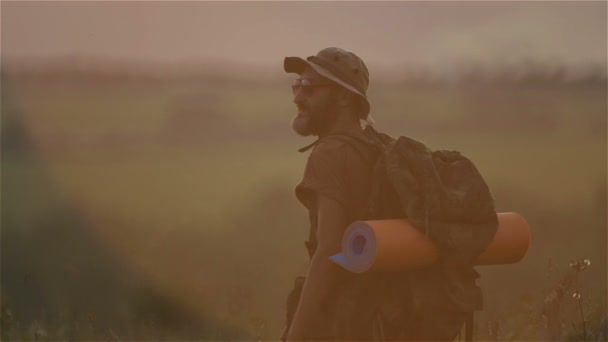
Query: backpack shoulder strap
[[311, 244], [378, 138], [309, 146]]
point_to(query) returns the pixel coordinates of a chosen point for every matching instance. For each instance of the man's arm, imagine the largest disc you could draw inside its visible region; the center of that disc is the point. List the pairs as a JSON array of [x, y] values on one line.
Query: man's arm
[[322, 275]]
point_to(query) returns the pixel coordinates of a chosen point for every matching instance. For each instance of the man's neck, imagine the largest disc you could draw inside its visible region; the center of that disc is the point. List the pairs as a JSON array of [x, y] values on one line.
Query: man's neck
[[345, 123]]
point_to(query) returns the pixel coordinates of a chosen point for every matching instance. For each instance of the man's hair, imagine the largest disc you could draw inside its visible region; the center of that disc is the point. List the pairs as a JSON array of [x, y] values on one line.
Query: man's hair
[[360, 107], [356, 102]]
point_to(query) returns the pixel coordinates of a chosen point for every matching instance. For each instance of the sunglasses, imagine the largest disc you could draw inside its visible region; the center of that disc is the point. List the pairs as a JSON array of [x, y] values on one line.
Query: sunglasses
[[307, 85]]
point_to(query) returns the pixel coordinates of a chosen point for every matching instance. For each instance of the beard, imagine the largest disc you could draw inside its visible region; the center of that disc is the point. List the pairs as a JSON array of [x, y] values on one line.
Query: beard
[[313, 121], [303, 125]]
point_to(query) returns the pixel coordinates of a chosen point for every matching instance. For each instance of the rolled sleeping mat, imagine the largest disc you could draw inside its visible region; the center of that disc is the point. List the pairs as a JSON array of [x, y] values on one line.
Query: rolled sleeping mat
[[398, 245]]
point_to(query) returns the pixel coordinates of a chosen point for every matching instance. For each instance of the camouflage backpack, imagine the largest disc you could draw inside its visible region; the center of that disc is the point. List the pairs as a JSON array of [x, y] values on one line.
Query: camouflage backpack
[[442, 194]]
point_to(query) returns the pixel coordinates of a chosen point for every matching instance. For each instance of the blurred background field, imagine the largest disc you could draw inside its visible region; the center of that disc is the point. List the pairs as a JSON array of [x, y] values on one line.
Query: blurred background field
[[152, 203], [166, 181]]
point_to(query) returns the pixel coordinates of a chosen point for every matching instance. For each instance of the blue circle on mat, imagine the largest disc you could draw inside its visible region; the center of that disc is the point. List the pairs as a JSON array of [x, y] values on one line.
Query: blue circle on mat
[[359, 244]]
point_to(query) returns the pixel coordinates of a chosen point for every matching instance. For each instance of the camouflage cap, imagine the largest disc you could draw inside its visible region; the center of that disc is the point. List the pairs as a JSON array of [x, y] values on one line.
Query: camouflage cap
[[341, 66]]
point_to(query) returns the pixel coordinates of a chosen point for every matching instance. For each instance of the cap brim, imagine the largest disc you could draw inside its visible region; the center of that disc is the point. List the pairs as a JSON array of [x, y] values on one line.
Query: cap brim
[[297, 65], [294, 65]]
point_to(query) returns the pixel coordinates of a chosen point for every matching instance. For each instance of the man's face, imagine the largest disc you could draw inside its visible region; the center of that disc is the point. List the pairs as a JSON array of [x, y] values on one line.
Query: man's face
[[315, 101]]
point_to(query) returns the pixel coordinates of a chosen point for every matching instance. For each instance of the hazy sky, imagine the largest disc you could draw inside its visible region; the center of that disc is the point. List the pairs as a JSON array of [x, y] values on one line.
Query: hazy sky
[[382, 33]]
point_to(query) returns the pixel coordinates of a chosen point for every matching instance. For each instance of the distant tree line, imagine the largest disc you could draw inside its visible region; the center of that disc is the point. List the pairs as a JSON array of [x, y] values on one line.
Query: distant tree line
[[525, 72], [531, 72]]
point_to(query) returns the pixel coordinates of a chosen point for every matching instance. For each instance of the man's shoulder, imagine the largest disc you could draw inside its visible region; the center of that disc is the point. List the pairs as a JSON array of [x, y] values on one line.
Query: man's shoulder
[[343, 143], [336, 148]]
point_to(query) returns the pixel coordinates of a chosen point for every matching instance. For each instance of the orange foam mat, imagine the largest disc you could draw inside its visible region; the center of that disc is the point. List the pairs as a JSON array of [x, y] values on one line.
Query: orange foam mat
[[398, 245]]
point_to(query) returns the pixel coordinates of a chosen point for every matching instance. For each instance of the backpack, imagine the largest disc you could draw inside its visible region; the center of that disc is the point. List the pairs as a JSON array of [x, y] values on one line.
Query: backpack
[[442, 194]]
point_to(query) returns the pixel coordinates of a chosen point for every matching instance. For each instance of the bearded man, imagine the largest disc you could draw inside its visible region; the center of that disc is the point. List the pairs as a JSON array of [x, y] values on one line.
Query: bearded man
[[331, 303]]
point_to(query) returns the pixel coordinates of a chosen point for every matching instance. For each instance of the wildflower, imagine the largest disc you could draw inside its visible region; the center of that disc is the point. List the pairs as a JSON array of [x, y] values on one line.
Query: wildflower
[[576, 295], [582, 264]]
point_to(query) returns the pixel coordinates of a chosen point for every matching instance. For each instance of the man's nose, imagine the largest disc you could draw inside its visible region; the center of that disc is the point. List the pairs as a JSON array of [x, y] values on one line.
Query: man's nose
[[298, 96]]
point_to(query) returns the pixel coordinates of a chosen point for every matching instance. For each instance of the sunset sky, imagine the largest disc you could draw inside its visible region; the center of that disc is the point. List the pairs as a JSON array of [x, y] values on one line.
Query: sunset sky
[[262, 33]]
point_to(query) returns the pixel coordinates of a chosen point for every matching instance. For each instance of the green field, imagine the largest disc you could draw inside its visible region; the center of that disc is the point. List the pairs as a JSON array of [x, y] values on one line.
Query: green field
[[189, 185]]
